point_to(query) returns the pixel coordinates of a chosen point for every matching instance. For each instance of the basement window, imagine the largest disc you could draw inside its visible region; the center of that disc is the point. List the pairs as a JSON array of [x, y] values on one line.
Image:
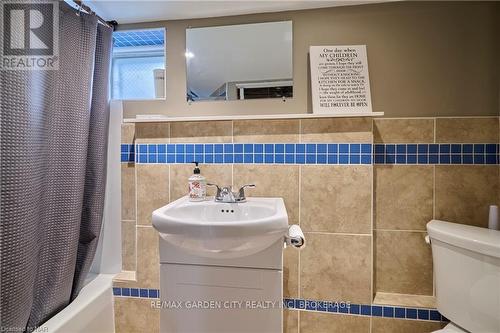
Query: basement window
[[138, 69]]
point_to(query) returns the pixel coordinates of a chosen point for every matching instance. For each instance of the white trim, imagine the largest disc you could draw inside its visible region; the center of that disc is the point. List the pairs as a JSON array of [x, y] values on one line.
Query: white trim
[[167, 119]]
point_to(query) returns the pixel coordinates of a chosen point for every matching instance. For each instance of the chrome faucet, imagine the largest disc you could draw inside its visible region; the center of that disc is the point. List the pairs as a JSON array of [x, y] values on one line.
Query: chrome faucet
[[226, 194]]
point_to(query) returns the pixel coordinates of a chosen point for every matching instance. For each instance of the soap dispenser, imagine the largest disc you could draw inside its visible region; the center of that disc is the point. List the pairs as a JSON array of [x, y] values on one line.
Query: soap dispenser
[[197, 185]]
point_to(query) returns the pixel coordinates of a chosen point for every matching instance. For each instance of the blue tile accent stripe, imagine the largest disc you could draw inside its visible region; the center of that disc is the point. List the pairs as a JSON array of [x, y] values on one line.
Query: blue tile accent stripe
[[136, 292], [313, 153], [436, 153], [139, 37], [127, 153], [322, 306], [373, 310], [249, 153]]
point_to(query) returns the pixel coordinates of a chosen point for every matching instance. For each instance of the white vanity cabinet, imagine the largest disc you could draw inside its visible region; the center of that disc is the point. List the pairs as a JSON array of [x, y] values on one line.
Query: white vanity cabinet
[[221, 265], [235, 295]]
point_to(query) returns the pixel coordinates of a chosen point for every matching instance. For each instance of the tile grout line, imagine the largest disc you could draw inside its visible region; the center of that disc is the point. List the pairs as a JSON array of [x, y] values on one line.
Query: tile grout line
[[433, 217], [169, 167], [400, 230], [372, 221], [438, 117], [300, 218], [300, 205], [336, 233], [434, 198], [136, 216], [434, 136], [232, 164]]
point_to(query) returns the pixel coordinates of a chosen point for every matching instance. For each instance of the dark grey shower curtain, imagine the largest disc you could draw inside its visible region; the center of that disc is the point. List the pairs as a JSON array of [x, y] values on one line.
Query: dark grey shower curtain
[[54, 128]]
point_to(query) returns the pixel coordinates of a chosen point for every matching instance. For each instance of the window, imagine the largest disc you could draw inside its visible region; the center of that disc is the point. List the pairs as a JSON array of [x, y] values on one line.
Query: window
[[138, 70]]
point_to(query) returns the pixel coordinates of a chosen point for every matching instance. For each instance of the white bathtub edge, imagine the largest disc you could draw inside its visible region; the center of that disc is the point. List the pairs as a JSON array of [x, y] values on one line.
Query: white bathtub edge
[[91, 311]]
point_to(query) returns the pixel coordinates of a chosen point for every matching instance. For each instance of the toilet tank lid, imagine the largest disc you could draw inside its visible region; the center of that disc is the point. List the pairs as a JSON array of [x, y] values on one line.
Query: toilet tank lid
[[481, 240]]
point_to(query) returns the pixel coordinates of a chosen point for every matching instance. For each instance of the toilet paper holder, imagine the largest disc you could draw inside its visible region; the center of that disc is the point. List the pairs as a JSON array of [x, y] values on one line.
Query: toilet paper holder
[[295, 237]]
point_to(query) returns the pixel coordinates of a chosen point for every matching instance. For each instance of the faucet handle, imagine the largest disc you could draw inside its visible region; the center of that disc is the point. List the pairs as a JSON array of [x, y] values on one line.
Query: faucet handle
[[224, 194], [241, 192], [218, 189]]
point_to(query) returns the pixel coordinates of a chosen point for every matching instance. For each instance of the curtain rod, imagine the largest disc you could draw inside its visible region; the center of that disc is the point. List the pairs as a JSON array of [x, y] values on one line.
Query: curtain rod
[[82, 6]]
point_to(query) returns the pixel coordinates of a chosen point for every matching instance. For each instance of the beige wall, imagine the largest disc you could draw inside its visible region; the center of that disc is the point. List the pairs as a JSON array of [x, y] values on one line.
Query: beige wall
[[425, 58]]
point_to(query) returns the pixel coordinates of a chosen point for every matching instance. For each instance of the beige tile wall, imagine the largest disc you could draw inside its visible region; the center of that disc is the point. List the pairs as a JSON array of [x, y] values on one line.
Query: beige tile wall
[[385, 325], [463, 193], [311, 322], [135, 315], [128, 204], [354, 217], [347, 230], [336, 267], [408, 196]]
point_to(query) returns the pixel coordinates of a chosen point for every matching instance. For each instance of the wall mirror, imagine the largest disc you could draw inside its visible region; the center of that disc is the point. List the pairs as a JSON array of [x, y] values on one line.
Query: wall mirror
[[239, 62]]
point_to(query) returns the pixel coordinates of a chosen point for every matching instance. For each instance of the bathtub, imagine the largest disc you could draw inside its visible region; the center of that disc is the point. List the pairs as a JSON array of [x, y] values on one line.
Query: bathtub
[[91, 311]]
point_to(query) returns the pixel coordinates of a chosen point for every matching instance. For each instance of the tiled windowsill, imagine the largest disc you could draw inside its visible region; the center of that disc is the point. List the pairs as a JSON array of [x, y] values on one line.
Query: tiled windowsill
[[420, 301], [166, 119], [125, 276]]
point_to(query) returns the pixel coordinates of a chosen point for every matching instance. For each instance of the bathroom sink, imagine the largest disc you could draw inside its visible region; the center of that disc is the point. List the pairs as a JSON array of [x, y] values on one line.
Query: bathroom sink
[[222, 230]]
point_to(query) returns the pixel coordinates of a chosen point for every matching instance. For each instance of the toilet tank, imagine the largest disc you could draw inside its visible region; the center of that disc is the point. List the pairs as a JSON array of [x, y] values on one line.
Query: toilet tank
[[467, 274]]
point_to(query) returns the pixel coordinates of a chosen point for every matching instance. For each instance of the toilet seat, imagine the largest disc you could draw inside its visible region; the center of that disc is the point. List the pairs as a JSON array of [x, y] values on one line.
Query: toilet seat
[[451, 328]]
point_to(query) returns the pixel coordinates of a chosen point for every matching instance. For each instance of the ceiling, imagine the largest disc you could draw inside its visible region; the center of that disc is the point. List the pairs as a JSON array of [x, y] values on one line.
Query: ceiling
[[130, 11]]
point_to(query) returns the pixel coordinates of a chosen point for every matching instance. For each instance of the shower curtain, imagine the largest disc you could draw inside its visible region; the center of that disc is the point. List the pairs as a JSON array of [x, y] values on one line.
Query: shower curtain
[[54, 128]]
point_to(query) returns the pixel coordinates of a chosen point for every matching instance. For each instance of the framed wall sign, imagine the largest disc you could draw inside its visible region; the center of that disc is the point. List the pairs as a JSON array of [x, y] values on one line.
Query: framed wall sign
[[339, 79]]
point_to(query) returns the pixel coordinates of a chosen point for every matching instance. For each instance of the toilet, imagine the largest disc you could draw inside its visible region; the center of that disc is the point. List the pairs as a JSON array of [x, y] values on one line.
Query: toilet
[[467, 272]]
